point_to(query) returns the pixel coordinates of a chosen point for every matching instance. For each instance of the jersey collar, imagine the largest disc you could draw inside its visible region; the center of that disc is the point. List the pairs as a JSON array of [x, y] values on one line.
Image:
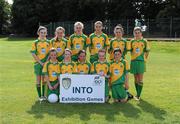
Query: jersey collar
[[41, 40]]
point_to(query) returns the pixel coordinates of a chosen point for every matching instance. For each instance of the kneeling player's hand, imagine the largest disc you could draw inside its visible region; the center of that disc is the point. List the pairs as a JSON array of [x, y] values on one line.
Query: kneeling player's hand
[[50, 87]]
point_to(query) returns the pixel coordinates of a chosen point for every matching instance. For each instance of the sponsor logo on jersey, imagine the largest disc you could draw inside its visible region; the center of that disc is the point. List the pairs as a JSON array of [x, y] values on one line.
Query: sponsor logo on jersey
[[116, 72], [43, 50], [58, 49]]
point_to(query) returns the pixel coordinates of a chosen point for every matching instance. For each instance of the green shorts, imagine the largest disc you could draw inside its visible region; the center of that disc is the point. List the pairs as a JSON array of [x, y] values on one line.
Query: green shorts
[[56, 91], [93, 58], [137, 67], [60, 58], [38, 69], [118, 91], [106, 88]]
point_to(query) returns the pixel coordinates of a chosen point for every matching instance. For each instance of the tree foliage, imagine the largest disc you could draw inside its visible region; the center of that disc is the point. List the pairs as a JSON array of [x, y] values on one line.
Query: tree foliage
[[28, 13], [4, 16]]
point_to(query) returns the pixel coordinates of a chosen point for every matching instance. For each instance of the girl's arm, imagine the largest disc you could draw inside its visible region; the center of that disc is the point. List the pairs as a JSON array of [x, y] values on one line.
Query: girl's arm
[[37, 59], [48, 83]]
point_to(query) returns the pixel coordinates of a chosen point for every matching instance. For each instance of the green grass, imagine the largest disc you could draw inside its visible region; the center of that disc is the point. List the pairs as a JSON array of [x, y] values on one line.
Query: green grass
[[18, 98]]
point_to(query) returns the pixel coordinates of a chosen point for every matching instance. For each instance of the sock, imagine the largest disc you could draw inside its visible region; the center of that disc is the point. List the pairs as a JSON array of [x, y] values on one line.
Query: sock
[[38, 87], [137, 88], [43, 89], [140, 86]]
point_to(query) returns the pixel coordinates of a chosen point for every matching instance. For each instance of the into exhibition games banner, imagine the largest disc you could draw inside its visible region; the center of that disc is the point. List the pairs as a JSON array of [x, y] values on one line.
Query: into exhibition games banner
[[82, 88]]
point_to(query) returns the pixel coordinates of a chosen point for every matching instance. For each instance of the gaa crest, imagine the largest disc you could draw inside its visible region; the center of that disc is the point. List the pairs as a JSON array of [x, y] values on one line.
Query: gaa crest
[[66, 83]]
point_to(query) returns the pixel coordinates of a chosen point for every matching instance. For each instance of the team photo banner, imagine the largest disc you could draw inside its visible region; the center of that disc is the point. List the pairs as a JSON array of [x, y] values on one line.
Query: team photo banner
[[82, 88]]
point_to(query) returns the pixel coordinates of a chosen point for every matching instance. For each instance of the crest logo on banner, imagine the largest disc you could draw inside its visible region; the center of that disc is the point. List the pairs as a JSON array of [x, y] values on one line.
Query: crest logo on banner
[[97, 81], [66, 83]]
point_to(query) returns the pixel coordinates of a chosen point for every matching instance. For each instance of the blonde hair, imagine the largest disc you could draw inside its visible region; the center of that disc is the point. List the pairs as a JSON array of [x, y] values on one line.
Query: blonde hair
[[41, 28], [98, 22], [137, 29], [57, 29], [119, 26], [78, 23], [67, 49], [60, 28]]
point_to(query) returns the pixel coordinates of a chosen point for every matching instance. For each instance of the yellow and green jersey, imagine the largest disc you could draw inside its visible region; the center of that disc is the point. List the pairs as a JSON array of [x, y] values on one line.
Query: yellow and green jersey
[[98, 42], [100, 68], [52, 70], [116, 43], [138, 48], [60, 45], [77, 43], [68, 68], [84, 68], [41, 49], [118, 71]]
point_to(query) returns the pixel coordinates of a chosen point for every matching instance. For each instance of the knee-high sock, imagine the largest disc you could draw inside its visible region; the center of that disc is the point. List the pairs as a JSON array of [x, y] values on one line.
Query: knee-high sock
[[38, 87], [137, 88], [43, 88], [140, 87]]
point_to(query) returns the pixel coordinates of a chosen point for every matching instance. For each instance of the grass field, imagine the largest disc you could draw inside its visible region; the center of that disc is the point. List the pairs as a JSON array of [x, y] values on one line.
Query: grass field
[[18, 98]]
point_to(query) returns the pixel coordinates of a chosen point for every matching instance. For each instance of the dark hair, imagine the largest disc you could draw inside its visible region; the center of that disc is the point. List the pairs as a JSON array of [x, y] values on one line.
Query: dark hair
[[117, 50], [81, 51]]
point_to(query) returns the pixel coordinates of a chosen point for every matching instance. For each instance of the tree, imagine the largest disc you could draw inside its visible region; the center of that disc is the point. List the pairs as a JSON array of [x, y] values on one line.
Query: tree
[[4, 17]]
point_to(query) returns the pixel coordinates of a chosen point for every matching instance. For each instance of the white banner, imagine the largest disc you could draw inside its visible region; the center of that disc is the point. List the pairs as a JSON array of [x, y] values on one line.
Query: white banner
[[82, 88]]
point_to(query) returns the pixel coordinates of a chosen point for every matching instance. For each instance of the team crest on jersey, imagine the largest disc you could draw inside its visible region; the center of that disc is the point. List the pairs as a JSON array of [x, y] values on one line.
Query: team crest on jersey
[[116, 72], [54, 74], [78, 46], [98, 45], [137, 50], [43, 50], [66, 83]]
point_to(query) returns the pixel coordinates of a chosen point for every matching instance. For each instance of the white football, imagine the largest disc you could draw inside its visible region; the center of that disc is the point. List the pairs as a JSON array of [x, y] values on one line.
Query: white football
[[52, 98]]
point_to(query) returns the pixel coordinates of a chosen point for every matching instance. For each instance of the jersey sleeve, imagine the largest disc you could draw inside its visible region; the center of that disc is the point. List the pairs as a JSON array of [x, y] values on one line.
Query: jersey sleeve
[[66, 41], [110, 68], [74, 68], [89, 65], [92, 68], [125, 48], [110, 47], [58, 69], [128, 45], [107, 43], [88, 41], [60, 65], [69, 42], [127, 66], [33, 48], [108, 73], [51, 44]]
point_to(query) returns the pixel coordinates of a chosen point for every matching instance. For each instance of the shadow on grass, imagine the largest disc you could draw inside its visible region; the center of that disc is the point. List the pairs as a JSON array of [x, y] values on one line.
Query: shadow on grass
[[84, 110], [155, 111]]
